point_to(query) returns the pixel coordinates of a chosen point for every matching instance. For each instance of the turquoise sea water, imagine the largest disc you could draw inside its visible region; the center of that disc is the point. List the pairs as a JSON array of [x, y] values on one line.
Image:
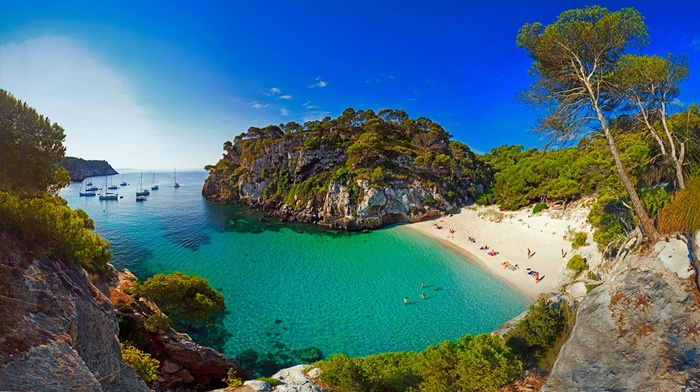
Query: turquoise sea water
[[292, 286]]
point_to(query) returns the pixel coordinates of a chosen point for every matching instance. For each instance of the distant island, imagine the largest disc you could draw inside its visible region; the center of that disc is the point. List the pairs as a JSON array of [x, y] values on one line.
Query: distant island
[[80, 169]]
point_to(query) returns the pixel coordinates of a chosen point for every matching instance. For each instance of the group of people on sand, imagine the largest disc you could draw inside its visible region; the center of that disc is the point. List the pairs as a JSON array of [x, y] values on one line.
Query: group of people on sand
[[508, 265], [535, 274]]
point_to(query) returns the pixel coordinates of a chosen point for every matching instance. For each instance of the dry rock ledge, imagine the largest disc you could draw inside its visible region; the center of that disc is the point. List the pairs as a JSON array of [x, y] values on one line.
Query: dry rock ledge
[[638, 331]]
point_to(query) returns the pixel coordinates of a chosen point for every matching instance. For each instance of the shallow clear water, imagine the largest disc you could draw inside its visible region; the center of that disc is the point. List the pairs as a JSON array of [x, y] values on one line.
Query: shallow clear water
[[292, 286]]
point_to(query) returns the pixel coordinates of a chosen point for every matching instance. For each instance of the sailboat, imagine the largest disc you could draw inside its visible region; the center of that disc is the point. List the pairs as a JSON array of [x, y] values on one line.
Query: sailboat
[[123, 183], [154, 186], [84, 192], [91, 188], [111, 186], [175, 184], [143, 192], [108, 195]]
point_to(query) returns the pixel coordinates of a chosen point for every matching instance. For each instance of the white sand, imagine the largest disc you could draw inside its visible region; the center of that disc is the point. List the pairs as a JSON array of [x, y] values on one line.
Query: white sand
[[511, 237]]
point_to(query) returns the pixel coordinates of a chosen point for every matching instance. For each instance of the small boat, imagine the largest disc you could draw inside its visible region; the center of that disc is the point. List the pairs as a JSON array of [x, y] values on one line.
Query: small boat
[[85, 192], [90, 187], [123, 183], [175, 184], [154, 186], [143, 192], [140, 198], [111, 186], [108, 195]]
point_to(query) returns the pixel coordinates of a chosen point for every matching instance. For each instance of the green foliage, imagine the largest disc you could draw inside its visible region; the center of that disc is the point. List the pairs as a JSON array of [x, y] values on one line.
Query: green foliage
[[539, 207], [232, 379], [481, 363], [49, 227], [545, 328], [186, 298], [580, 239], [144, 365], [485, 199], [683, 213], [577, 264], [158, 322], [31, 148], [654, 199], [272, 381]]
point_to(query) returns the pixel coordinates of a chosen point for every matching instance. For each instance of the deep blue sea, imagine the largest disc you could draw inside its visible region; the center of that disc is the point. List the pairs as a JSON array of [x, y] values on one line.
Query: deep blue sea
[[293, 286]]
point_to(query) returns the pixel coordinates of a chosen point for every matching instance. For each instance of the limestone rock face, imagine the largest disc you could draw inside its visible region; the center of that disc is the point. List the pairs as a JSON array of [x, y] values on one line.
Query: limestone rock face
[[58, 330], [293, 379], [639, 331], [346, 204]]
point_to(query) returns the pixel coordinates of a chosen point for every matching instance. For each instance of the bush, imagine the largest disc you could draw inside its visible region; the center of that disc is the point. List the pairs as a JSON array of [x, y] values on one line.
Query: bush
[[187, 298], [483, 362], [144, 365], [232, 379], [683, 213], [485, 199], [49, 227], [272, 381], [158, 322], [542, 332], [539, 207], [577, 264], [580, 239]]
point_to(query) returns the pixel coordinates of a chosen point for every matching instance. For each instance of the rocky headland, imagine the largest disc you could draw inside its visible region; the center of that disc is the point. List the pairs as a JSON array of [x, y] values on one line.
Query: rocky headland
[[359, 171], [80, 169]]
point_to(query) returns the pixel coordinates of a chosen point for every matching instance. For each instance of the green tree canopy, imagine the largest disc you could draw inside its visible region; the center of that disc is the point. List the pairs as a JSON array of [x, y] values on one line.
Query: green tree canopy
[[573, 60], [187, 298], [31, 147]]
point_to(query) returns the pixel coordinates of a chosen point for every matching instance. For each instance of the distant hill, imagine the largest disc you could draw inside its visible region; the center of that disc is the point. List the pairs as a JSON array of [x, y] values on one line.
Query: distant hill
[[79, 169]]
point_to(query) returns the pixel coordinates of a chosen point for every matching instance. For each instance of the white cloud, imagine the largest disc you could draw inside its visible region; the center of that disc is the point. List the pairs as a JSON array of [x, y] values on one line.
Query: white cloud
[[318, 83], [95, 104], [308, 105], [284, 112], [285, 97], [275, 90], [258, 105]]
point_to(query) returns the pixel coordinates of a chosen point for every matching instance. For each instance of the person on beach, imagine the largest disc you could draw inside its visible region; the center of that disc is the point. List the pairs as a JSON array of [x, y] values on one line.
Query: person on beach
[[563, 254], [528, 253]]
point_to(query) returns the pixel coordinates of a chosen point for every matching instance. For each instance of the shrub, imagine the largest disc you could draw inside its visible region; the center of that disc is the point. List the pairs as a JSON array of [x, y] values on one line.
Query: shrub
[[542, 332], [539, 207], [232, 379], [580, 239], [683, 213], [158, 322], [577, 264], [143, 364], [485, 199], [272, 381], [187, 298]]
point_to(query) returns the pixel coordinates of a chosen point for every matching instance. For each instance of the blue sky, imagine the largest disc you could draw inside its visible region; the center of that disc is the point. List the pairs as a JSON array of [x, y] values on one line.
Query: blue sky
[[162, 84]]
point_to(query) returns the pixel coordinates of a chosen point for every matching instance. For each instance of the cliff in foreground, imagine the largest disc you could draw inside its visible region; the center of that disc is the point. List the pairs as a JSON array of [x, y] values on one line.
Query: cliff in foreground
[[638, 331], [58, 331], [361, 170]]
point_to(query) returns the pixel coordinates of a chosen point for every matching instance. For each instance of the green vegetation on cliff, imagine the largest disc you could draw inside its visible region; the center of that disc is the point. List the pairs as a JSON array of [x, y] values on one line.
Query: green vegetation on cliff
[[378, 147], [29, 179]]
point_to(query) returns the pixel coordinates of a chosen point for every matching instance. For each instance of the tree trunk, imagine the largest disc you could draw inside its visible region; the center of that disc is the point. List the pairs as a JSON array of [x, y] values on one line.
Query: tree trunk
[[644, 220]]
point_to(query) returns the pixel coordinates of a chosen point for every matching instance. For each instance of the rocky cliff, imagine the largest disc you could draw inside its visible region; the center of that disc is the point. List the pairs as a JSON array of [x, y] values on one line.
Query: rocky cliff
[[638, 331], [58, 331], [80, 169], [185, 365], [345, 176]]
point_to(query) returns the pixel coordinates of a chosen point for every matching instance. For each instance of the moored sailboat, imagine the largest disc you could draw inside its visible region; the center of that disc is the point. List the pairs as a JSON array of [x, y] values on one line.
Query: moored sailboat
[[154, 186], [108, 195], [175, 184], [111, 185], [142, 192], [85, 192]]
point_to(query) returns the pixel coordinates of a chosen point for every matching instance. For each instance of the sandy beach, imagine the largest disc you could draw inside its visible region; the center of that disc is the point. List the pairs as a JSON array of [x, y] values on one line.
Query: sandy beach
[[511, 234]]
